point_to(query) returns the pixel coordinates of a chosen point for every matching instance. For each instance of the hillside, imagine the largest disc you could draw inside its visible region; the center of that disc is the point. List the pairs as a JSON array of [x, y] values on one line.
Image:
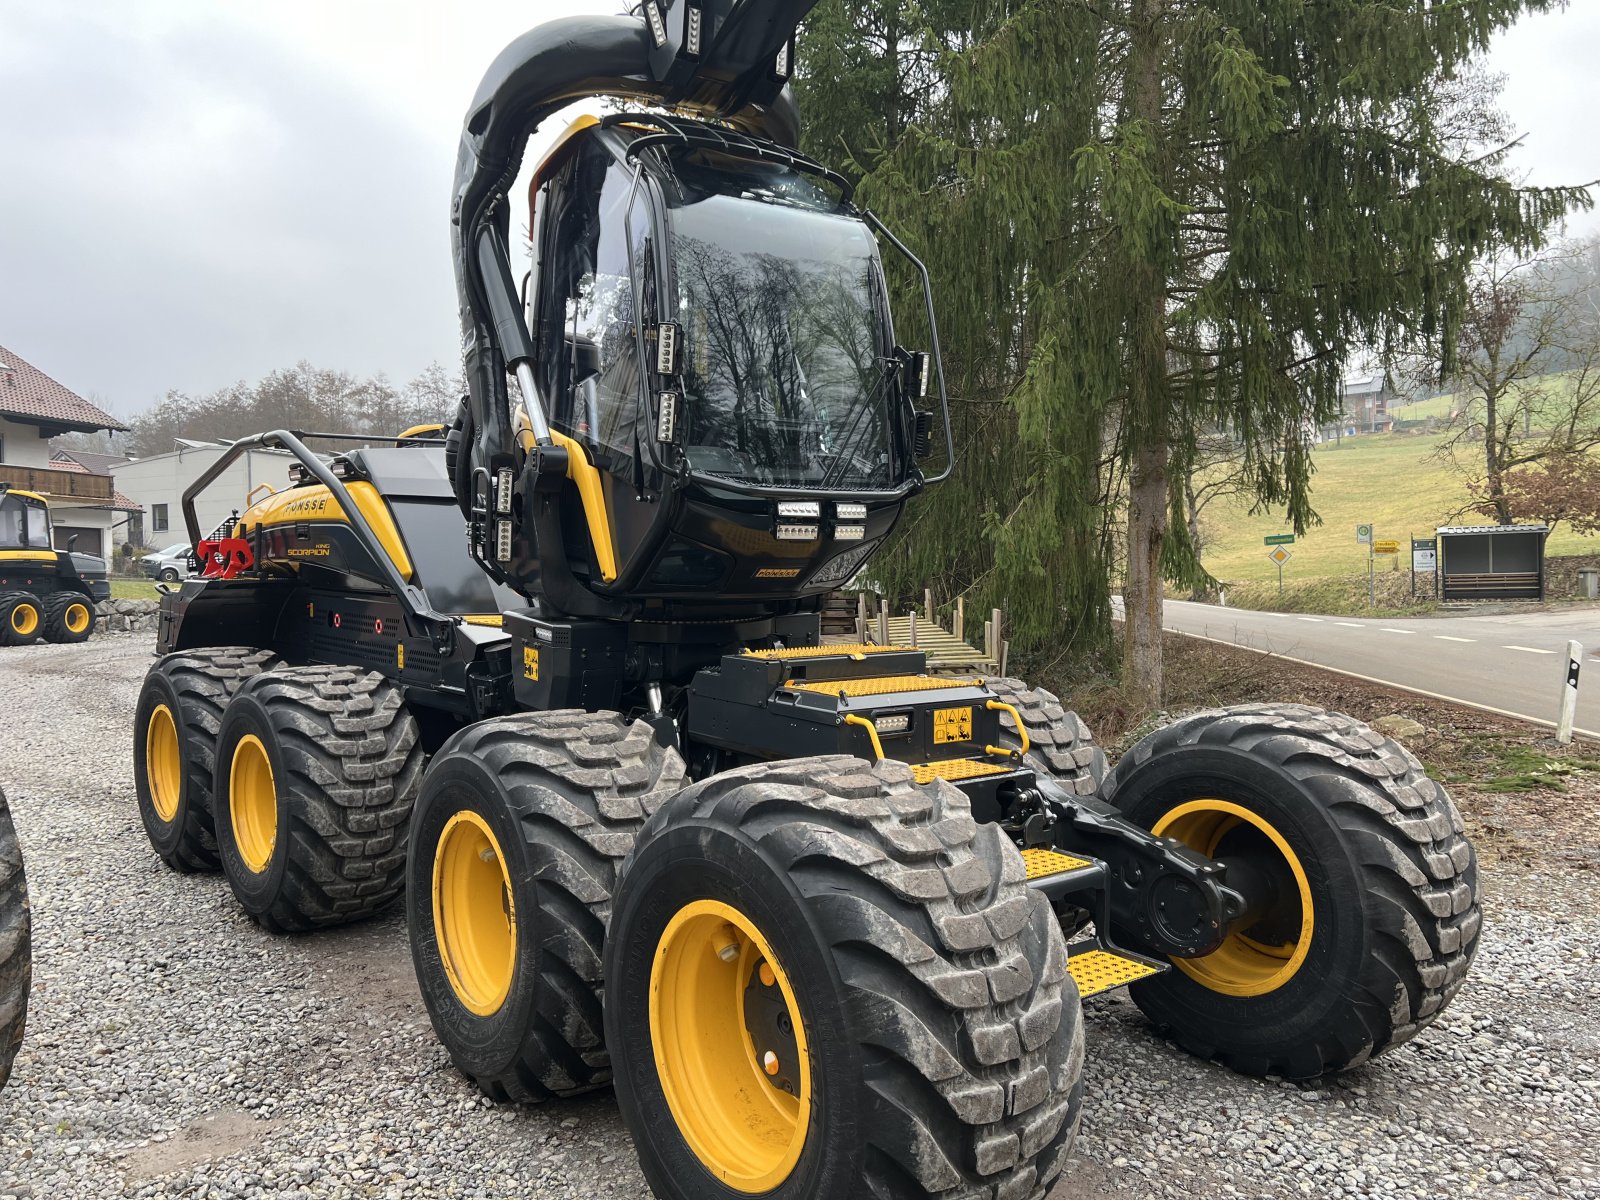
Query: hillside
[[1388, 480]]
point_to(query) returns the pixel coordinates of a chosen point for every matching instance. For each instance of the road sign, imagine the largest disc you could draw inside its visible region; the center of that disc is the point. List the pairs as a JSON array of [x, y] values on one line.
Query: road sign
[[1364, 534], [1424, 555], [1386, 547], [1279, 555], [1279, 539]]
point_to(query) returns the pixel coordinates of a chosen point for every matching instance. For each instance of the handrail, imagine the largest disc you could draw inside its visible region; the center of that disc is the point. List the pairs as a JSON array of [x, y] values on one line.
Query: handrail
[[412, 598]]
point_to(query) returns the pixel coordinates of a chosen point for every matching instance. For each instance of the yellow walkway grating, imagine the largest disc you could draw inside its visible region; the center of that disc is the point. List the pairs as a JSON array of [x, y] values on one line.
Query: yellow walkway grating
[[1096, 971], [953, 769], [1042, 863], [844, 650], [882, 686]]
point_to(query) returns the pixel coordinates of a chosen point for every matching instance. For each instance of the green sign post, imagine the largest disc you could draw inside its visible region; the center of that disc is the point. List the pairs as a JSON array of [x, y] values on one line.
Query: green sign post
[[1278, 539]]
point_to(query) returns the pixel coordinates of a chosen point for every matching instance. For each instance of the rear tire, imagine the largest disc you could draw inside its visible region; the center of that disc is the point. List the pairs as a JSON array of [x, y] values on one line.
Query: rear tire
[[16, 953], [21, 618], [317, 773], [173, 765], [926, 1039], [554, 800], [1060, 747], [68, 617], [1361, 838], [170, 575]]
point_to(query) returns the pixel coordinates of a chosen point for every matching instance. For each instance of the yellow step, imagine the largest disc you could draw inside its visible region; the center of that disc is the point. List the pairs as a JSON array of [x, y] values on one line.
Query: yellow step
[[954, 769], [1096, 971], [1042, 863]]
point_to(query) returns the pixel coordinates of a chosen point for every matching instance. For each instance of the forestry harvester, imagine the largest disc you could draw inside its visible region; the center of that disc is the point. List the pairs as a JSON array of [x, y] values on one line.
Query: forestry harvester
[[555, 674]]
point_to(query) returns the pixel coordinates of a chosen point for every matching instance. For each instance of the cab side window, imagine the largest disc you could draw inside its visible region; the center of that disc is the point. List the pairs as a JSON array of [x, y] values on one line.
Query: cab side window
[[38, 527]]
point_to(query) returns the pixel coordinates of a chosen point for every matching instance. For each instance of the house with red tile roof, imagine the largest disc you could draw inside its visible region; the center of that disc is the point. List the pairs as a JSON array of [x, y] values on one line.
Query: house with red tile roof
[[84, 502]]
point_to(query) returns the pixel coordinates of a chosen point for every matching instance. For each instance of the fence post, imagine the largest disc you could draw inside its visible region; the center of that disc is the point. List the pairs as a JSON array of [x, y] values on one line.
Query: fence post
[[1569, 694], [913, 629], [883, 624], [997, 651], [960, 629], [861, 617], [927, 602]]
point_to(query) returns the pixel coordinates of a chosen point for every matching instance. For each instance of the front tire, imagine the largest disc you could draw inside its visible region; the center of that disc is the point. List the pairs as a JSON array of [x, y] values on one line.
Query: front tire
[[16, 951], [176, 724], [69, 617], [521, 825], [1372, 915], [170, 575], [21, 618], [317, 774], [826, 980]]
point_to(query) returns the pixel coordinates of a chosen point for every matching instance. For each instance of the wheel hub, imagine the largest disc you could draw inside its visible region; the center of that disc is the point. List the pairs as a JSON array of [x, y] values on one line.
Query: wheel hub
[[253, 803], [473, 913]]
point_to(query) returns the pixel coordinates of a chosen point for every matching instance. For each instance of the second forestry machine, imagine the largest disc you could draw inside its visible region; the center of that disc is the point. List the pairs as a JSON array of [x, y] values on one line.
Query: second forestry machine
[[555, 673]]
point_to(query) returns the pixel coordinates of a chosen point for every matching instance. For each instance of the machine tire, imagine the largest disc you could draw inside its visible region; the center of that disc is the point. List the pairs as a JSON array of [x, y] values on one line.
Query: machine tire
[[195, 687], [1391, 878], [21, 618], [559, 797], [939, 1035], [325, 842], [1060, 744], [16, 952], [69, 617]]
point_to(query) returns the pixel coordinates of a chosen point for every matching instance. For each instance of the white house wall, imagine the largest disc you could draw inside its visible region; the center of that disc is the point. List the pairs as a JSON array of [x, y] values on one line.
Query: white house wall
[[164, 478], [23, 445]]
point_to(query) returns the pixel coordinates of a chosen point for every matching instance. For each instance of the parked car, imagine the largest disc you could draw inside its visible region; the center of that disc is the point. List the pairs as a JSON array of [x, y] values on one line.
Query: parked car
[[169, 565]]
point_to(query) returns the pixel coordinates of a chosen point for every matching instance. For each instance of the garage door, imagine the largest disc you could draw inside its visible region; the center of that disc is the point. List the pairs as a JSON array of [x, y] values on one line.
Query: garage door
[[89, 540]]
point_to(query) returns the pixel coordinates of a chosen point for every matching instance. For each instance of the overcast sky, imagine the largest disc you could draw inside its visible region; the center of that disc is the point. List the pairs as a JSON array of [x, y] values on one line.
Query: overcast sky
[[196, 193]]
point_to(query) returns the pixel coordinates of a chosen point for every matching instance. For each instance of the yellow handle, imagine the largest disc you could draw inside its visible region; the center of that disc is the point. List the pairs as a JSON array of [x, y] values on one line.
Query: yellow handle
[[872, 732], [251, 498], [1022, 730]]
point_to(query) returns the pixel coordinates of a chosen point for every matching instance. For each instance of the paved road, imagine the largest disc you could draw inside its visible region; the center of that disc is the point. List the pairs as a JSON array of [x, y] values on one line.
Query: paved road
[[1513, 663]]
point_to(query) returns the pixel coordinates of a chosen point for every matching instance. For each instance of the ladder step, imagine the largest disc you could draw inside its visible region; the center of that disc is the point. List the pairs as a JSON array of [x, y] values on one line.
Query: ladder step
[[1096, 971], [1042, 863]]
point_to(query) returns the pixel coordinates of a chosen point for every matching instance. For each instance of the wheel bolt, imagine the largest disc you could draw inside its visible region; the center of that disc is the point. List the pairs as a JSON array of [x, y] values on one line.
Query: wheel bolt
[[727, 944]]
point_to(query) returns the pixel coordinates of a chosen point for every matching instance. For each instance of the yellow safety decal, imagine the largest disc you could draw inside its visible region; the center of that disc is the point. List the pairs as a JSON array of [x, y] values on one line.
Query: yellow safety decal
[[493, 620], [952, 725], [400, 656], [530, 663]]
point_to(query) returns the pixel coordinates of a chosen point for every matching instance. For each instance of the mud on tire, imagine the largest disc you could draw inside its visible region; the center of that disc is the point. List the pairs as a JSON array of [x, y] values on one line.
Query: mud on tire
[[194, 686], [16, 957], [1391, 875], [345, 761], [1060, 744], [563, 794], [945, 1036]]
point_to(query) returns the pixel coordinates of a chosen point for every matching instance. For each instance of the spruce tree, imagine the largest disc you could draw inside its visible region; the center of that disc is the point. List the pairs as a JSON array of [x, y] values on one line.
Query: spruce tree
[[1151, 217]]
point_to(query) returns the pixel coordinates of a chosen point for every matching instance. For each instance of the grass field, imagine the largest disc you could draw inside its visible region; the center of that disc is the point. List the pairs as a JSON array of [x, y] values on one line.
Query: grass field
[[133, 589], [1554, 394], [1388, 480]]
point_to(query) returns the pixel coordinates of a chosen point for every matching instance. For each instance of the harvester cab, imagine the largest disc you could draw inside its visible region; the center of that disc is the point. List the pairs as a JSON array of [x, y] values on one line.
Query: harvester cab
[[557, 677], [44, 592]]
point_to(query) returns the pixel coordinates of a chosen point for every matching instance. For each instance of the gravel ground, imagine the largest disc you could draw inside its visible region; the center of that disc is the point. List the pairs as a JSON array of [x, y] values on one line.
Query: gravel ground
[[176, 1050]]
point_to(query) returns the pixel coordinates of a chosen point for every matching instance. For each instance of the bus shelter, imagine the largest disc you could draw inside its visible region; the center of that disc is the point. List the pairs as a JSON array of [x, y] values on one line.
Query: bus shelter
[[1492, 562]]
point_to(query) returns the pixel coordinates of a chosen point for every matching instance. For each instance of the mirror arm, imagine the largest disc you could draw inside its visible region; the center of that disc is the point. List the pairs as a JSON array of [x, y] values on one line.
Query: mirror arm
[[933, 331]]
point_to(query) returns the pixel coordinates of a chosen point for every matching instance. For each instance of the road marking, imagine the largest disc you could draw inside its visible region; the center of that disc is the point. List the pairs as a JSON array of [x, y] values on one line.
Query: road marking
[[1350, 624], [1445, 637], [1405, 631], [1590, 734], [1528, 649], [1318, 620]]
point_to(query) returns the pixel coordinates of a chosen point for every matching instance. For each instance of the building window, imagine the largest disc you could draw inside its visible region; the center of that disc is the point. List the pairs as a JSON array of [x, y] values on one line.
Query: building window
[[158, 518]]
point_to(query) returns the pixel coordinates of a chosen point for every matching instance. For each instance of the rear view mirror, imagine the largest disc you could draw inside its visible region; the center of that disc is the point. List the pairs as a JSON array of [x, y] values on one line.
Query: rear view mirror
[[584, 356]]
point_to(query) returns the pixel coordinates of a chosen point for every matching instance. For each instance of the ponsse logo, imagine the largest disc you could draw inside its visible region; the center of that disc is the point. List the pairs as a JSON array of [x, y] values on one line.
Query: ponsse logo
[[314, 505], [778, 573]]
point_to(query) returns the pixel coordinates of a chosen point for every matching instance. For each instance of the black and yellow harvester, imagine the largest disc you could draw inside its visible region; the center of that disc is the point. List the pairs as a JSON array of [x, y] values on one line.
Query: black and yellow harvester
[[44, 592], [555, 674]]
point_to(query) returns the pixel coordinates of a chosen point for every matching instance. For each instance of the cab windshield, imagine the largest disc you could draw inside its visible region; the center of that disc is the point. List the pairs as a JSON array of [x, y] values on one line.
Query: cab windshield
[[22, 524], [786, 341]]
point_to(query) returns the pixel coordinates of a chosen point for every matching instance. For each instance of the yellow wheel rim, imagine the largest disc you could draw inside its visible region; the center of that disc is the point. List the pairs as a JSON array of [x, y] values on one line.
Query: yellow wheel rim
[[1242, 966], [163, 764], [741, 1108], [474, 914], [24, 619], [76, 618], [253, 803]]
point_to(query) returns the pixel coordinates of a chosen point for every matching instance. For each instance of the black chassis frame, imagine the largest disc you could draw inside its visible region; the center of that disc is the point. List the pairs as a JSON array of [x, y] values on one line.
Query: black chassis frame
[[1149, 895]]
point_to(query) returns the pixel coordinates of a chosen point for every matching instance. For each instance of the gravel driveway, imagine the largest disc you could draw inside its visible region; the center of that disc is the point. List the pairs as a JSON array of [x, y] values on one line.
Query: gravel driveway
[[176, 1050]]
